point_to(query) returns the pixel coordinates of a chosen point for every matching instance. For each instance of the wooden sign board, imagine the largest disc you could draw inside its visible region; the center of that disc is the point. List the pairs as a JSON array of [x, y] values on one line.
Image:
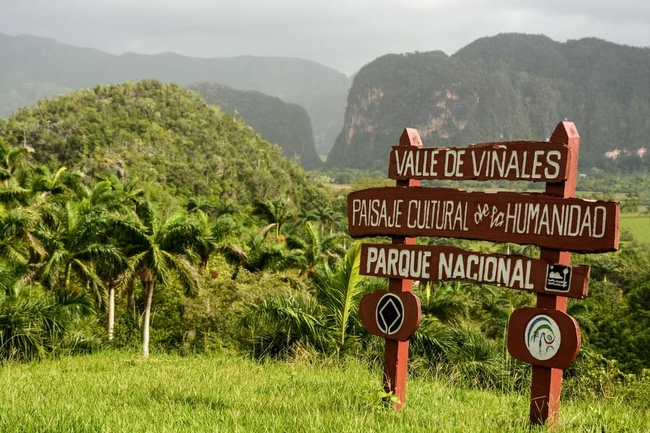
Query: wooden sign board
[[391, 315], [543, 337], [546, 336], [442, 263], [518, 160], [567, 224]]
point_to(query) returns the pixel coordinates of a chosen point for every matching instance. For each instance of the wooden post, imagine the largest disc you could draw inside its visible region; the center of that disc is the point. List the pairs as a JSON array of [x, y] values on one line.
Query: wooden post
[[547, 382], [396, 352]]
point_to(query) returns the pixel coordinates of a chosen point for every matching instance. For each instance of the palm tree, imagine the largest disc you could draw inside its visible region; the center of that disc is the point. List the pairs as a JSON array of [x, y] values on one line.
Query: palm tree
[[74, 246], [324, 318], [108, 199], [258, 254], [158, 250], [117, 196], [33, 322], [11, 160], [199, 204], [14, 189], [449, 302], [339, 290], [325, 215], [17, 240], [281, 322], [314, 248], [114, 194], [44, 181], [213, 238], [226, 207], [274, 212]]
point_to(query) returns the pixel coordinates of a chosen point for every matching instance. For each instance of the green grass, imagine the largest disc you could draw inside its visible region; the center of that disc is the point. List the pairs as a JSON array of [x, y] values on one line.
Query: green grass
[[638, 226], [120, 392]]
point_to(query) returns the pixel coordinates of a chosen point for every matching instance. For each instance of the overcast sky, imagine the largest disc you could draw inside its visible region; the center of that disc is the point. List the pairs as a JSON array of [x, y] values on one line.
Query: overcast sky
[[343, 34]]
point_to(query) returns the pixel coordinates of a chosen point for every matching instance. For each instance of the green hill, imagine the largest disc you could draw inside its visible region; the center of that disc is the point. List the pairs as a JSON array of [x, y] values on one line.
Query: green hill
[[54, 68], [158, 132], [287, 125], [510, 86]]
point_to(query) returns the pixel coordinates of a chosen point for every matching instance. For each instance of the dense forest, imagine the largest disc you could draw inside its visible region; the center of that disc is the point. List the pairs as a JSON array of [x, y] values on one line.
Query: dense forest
[[506, 87], [137, 215]]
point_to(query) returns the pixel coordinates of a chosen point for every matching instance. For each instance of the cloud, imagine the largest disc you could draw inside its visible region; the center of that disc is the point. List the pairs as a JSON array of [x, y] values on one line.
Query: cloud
[[342, 34]]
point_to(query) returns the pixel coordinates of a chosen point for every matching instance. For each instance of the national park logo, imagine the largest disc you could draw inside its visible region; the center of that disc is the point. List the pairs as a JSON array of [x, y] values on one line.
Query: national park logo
[[543, 337]]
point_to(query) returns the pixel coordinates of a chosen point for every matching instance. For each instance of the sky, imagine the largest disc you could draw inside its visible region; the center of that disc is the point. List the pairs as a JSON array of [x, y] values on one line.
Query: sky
[[342, 34]]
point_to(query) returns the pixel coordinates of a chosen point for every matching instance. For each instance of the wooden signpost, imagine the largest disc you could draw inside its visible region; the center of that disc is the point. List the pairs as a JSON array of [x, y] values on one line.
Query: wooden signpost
[[556, 221]]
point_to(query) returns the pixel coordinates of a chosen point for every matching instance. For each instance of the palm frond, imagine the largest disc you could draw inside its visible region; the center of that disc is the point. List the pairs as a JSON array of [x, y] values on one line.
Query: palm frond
[[183, 268], [277, 323], [340, 290]]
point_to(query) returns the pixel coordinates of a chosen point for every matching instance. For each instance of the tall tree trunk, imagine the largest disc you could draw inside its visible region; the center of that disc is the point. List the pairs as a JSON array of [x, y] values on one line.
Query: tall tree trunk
[[111, 310], [130, 295], [147, 316], [68, 268], [203, 266]]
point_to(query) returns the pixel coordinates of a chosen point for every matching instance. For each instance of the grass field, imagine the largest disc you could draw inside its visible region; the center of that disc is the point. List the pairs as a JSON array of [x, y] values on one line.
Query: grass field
[[120, 392], [638, 226]]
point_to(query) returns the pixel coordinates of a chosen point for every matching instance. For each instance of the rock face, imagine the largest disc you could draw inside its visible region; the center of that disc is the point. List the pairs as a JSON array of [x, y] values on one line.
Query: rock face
[[34, 68], [287, 125], [510, 86]]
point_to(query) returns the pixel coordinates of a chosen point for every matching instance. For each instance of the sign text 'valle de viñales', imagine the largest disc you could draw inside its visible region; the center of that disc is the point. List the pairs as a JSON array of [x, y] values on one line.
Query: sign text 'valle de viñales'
[[555, 220]]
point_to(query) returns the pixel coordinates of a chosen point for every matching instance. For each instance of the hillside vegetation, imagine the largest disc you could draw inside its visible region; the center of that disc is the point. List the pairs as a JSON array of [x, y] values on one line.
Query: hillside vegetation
[[160, 133], [287, 125], [506, 87]]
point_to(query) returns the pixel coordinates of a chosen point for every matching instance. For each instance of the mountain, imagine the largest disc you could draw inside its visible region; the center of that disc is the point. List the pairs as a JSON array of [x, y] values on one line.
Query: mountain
[[287, 125], [506, 87], [34, 67], [160, 133]]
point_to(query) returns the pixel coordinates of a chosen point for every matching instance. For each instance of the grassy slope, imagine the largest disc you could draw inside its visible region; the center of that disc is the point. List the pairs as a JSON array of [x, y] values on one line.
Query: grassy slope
[[118, 392]]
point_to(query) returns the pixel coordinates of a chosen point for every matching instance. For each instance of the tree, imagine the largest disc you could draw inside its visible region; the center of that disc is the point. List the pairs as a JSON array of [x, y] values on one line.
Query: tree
[[113, 197], [34, 323], [274, 212], [213, 236], [158, 250], [258, 254], [314, 248], [279, 323], [339, 290], [199, 204], [12, 159], [73, 245], [18, 242], [449, 301]]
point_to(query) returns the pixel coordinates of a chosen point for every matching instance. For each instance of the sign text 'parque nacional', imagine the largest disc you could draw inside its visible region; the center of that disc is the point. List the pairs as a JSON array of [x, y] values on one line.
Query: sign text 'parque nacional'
[[570, 224], [443, 263]]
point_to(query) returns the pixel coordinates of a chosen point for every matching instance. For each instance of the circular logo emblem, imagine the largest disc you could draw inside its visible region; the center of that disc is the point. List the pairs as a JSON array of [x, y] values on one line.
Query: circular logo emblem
[[543, 337], [390, 314]]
